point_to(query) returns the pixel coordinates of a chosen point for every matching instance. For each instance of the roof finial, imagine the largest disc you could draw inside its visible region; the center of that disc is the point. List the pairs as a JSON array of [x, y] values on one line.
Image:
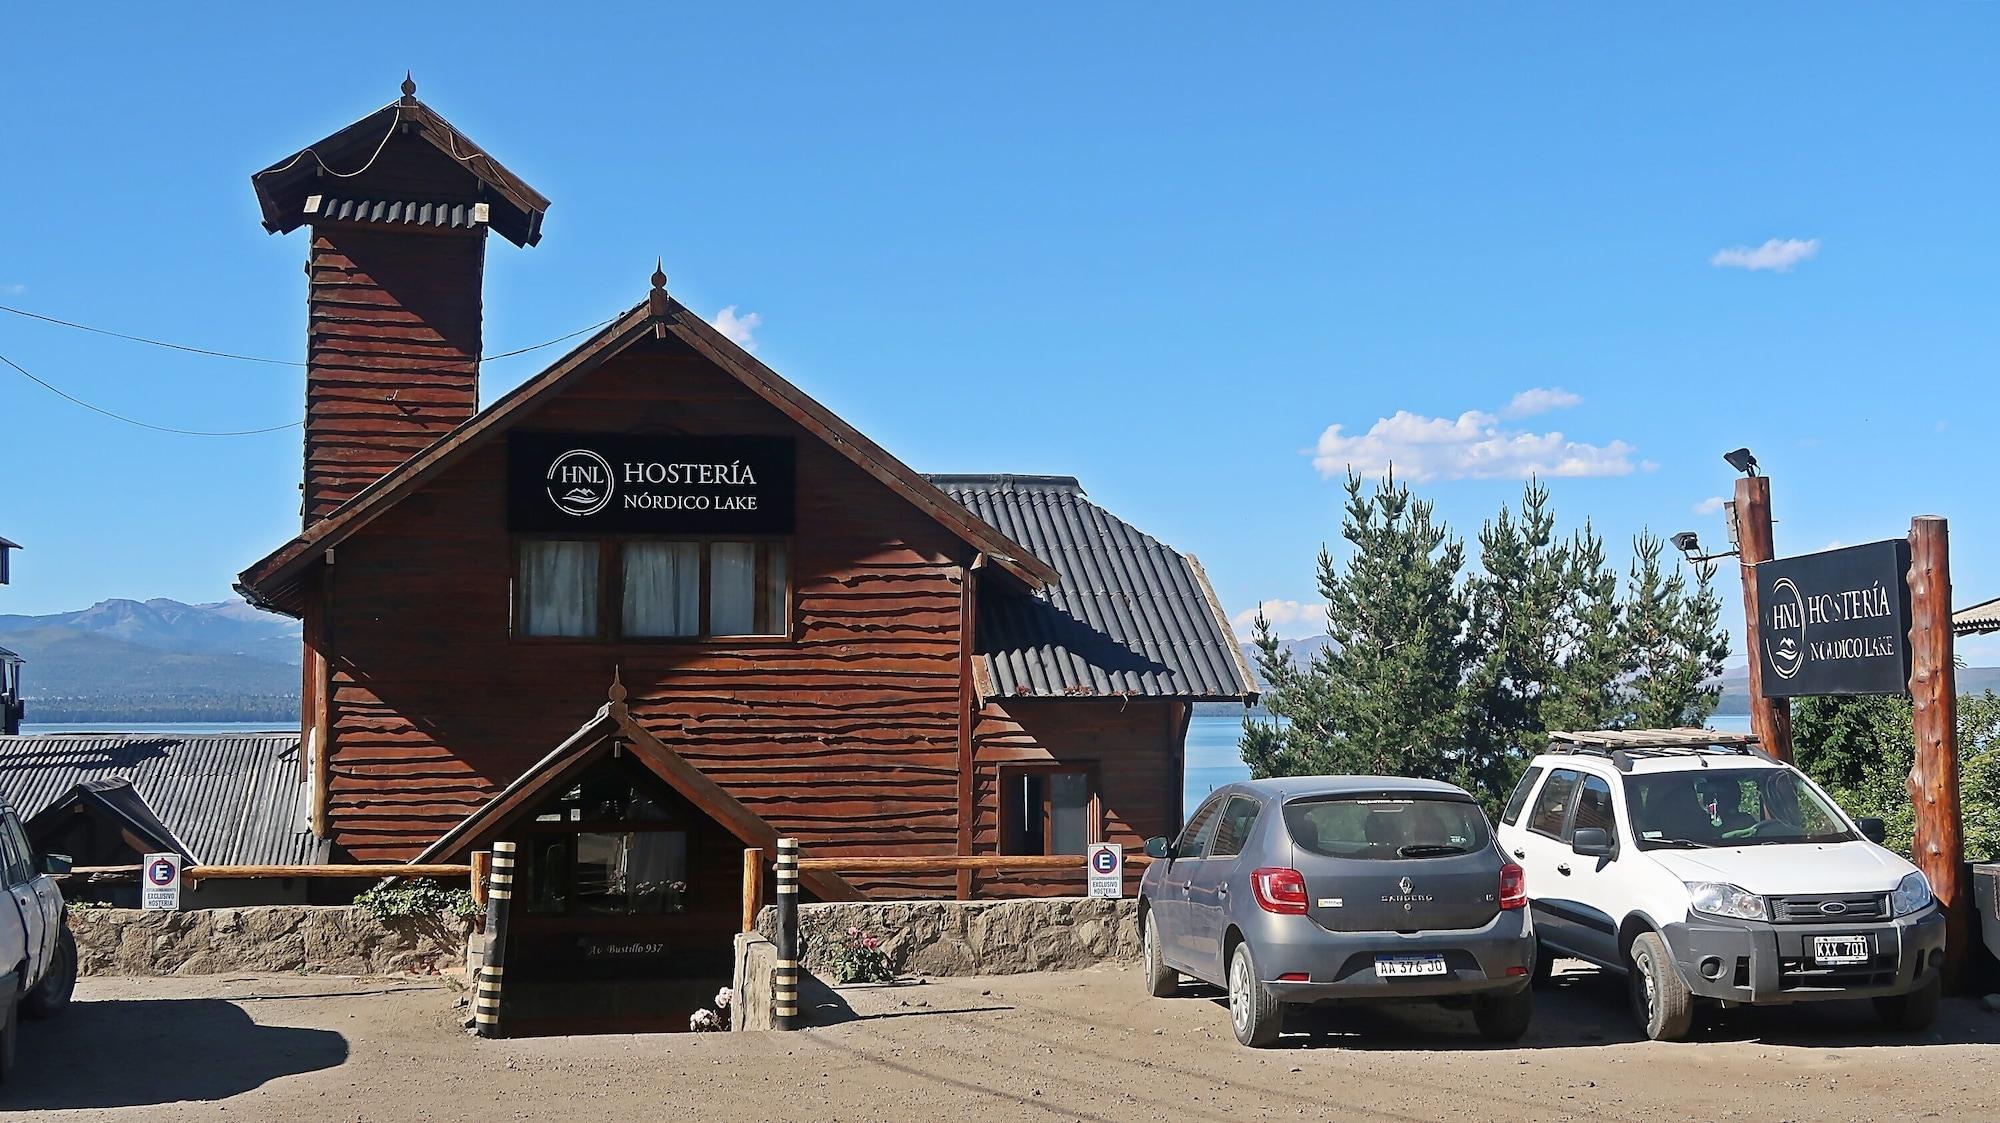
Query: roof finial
[[660, 274], [409, 87], [617, 692]]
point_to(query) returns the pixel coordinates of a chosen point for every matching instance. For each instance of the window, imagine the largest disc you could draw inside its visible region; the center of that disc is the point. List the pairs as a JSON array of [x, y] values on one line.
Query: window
[[646, 588], [1730, 807], [1520, 797], [1593, 808], [1386, 828], [1553, 803], [1047, 810], [609, 844], [1232, 830], [1194, 835], [18, 856]]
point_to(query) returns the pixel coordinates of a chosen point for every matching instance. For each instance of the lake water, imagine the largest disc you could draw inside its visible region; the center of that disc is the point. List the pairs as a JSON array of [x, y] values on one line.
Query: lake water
[[1213, 760], [182, 727]]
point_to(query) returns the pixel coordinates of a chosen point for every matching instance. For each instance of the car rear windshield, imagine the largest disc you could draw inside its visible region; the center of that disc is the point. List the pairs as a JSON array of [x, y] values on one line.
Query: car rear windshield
[[1386, 827]]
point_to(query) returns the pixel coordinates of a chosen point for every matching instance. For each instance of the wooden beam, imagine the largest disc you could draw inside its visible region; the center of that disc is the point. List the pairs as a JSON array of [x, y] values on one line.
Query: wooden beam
[[937, 863], [1770, 718], [968, 703], [753, 886], [482, 868], [1939, 843], [245, 873]]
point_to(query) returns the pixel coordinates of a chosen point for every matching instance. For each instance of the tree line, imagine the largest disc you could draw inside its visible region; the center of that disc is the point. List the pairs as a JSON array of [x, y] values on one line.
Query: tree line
[[1457, 671]]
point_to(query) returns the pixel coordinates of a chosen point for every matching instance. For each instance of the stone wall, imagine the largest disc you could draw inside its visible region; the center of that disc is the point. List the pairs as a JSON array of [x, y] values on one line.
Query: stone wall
[[940, 938], [326, 939], [753, 986]]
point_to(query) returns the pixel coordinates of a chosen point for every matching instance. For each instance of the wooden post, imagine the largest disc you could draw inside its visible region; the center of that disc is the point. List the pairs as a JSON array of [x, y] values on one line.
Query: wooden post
[[1939, 845], [482, 865], [1770, 718], [499, 898], [753, 886], [786, 999]]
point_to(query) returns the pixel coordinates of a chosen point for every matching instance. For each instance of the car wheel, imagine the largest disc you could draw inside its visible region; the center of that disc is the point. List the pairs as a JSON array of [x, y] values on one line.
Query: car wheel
[[1506, 1017], [1544, 971], [1161, 980], [1915, 1011], [51, 996], [1254, 1012], [1660, 997]]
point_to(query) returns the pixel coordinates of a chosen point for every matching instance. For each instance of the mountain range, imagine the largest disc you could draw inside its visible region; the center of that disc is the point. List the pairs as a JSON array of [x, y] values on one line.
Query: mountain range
[[159, 661]]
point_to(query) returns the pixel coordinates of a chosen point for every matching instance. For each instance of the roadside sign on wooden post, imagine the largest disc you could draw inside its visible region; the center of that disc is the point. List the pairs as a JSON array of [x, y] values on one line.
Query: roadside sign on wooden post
[[1104, 863], [1835, 622], [160, 882], [1938, 845]]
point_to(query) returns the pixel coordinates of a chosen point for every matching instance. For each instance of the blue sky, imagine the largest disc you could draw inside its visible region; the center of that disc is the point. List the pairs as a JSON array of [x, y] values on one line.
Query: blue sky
[[1163, 248]]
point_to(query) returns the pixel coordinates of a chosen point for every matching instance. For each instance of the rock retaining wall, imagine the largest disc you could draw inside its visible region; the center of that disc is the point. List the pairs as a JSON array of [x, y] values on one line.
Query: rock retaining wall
[[325, 939], [942, 938]]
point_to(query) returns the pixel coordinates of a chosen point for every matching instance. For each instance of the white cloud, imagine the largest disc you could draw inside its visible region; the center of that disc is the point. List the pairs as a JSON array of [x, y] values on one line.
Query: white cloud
[[1289, 618], [1472, 446], [1775, 255], [740, 330], [15, 289], [1709, 506], [1528, 403]]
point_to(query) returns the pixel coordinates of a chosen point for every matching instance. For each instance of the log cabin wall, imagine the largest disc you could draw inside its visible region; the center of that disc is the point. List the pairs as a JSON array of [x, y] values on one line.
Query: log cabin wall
[[1132, 747], [392, 353], [846, 736]]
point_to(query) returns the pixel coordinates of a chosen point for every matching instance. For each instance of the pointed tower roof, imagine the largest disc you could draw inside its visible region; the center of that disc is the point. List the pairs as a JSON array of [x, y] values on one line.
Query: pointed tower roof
[[403, 153]]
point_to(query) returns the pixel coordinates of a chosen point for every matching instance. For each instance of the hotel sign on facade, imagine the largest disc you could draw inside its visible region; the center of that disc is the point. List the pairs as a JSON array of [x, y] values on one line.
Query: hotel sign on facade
[[1836, 622], [592, 483]]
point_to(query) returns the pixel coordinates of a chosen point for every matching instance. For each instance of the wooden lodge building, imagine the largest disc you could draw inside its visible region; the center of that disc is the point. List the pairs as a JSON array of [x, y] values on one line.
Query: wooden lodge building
[[656, 604]]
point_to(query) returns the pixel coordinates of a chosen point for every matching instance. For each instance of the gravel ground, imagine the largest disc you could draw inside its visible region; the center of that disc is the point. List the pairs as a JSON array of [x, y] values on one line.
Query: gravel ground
[[1077, 1045]]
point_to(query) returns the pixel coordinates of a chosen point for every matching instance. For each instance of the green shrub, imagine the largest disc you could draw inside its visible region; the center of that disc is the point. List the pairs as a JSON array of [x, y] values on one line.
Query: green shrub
[[418, 897], [1861, 749]]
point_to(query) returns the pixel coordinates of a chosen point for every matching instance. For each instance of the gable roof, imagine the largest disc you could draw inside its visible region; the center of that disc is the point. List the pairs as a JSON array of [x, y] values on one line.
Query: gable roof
[[283, 188], [231, 799], [613, 722], [1132, 617], [117, 800], [274, 582]]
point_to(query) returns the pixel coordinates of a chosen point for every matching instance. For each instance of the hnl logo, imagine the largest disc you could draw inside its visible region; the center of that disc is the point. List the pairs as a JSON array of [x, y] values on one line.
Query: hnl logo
[[579, 482]]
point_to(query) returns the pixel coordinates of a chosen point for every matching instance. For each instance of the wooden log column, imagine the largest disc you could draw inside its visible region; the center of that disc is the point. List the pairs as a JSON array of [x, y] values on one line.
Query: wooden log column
[[499, 899], [1770, 718], [1939, 843], [785, 1000], [753, 886]]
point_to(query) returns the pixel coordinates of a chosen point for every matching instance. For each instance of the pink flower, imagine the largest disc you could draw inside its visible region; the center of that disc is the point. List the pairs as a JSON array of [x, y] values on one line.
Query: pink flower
[[870, 942], [854, 931]]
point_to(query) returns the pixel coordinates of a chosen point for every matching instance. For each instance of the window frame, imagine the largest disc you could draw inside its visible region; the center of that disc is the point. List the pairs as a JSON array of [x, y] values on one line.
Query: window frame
[[1250, 826], [1207, 833], [1531, 780], [611, 590], [1093, 809], [1569, 801], [1576, 805]]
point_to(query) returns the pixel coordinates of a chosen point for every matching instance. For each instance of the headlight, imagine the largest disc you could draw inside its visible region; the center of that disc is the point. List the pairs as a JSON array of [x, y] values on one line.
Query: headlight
[[1912, 894], [1718, 898]]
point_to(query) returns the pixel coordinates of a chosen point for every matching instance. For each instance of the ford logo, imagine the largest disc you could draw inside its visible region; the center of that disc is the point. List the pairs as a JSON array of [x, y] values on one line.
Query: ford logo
[[1833, 908]]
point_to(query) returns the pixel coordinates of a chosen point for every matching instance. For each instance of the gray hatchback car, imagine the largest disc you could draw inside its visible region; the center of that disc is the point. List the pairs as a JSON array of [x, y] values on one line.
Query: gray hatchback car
[[1339, 888]]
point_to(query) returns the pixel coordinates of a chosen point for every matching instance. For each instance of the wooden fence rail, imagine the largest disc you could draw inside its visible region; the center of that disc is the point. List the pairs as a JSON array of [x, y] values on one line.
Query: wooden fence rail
[[221, 873], [754, 862]]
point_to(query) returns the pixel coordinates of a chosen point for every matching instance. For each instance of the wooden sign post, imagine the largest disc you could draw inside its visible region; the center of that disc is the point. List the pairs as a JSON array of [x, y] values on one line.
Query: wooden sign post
[[1770, 718], [1939, 845]]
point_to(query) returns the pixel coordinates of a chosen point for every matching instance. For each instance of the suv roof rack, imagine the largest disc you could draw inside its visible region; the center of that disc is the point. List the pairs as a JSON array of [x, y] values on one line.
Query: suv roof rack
[[1624, 746]]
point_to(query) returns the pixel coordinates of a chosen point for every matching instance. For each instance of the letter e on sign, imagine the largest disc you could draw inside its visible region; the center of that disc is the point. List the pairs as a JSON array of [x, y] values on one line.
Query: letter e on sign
[[1104, 864], [160, 882]]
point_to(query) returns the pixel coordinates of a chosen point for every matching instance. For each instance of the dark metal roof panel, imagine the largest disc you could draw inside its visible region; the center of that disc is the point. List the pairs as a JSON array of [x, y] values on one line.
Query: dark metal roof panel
[[1130, 617], [234, 799]]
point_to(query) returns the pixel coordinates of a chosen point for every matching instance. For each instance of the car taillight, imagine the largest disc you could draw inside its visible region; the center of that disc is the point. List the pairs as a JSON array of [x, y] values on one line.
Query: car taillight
[[1279, 890], [1513, 886]]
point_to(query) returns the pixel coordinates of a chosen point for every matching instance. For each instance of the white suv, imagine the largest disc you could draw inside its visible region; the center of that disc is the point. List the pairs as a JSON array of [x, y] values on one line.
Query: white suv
[[1715, 873]]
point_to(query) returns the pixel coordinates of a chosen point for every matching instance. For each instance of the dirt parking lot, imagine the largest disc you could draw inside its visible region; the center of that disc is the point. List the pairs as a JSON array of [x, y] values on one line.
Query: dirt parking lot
[[1081, 1045]]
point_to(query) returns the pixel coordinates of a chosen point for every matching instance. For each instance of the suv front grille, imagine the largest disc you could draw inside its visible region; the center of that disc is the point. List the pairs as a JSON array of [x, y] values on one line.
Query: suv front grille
[[1802, 974], [1829, 910]]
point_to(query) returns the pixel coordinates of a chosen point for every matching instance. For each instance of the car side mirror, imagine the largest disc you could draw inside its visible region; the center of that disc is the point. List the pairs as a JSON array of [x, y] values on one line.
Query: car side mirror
[[1592, 842], [1873, 829], [55, 863], [1158, 847]]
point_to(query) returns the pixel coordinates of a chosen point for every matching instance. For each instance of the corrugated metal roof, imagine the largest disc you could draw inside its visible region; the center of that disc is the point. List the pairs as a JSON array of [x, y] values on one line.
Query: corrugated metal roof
[[234, 799], [400, 212], [7, 656], [1981, 617], [1131, 616]]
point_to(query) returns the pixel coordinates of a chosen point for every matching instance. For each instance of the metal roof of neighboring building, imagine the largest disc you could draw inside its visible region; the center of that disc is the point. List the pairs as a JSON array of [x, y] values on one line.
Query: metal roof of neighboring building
[[7, 656], [234, 799], [1130, 617], [1981, 617]]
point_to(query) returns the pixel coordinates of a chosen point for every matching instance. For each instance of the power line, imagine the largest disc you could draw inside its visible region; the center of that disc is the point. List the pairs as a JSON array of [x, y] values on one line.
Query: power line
[[259, 358], [29, 375]]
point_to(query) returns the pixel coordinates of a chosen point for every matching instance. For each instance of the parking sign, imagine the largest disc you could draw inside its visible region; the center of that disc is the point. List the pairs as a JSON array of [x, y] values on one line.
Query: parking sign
[[160, 882], [1105, 864]]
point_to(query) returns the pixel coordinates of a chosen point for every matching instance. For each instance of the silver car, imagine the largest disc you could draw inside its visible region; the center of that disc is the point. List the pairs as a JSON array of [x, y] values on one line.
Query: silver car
[[1339, 888]]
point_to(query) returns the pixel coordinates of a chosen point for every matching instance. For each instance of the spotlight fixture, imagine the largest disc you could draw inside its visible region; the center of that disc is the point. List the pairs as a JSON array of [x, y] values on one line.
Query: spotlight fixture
[[1689, 544], [1742, 461]]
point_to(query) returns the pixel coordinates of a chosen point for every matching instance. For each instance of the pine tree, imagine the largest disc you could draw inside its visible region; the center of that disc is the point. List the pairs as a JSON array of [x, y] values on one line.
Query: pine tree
[[1673, 641], [1585, 692], [1382, 696], [1519, 606]]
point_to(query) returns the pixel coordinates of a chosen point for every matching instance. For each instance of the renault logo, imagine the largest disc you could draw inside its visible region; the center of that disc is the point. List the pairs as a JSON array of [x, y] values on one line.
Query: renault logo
[[1833, 908], [1406, 885]]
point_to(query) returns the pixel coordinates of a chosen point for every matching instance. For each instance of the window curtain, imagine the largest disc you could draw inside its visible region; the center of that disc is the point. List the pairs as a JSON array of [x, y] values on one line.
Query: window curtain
[[558, 588], [662, 588], [732, 588]]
